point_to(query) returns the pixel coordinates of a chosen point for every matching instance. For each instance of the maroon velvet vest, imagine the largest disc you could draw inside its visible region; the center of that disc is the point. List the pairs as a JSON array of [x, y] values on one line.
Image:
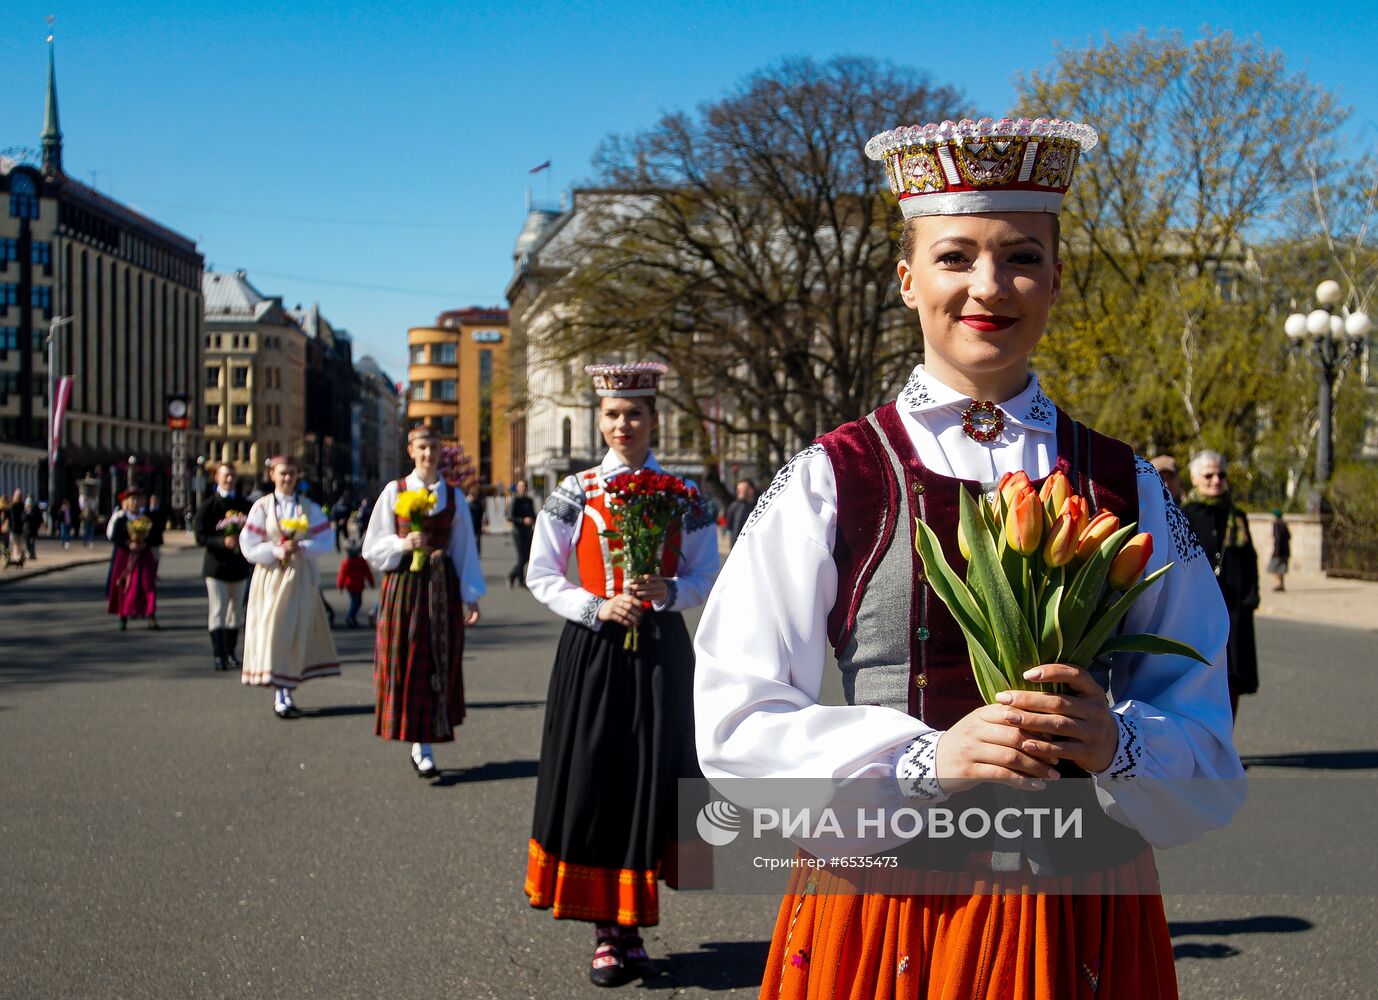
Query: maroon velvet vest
[[880, 479], [436, 527]]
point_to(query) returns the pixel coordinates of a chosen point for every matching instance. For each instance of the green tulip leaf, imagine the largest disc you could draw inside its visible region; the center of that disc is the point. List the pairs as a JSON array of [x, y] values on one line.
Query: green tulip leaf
[[1144, 642], [1103, 627], [948, 586], [1083, 595], [1014, 644]]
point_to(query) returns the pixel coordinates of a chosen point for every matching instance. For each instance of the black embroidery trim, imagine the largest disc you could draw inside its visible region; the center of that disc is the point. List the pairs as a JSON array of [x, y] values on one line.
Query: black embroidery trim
[[588, 614], [1184, 540], [777, 485], [672, 594], [700, 516], [566, 502], [917, 768], [1126, 762], [1041, 409], [915, 393]]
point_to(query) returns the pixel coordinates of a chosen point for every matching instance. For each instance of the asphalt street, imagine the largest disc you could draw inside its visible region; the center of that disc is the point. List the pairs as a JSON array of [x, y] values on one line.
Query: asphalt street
[[162, 834]]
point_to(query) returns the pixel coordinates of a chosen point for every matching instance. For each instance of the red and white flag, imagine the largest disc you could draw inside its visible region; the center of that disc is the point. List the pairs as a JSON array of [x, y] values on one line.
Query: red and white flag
[[64, 396]]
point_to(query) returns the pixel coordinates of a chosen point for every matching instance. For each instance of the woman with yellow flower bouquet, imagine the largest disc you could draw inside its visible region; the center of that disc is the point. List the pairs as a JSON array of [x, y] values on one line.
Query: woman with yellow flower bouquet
[[134, 572], [286, 637], [422, 542]]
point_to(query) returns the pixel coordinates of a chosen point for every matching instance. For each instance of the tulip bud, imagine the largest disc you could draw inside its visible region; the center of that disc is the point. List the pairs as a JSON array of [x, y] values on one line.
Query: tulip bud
[[1129, 563], [962, 546], [1061, 544], [1102, 526], [1012, 483], [1076, 508], [1056, 489], [1024, 522]]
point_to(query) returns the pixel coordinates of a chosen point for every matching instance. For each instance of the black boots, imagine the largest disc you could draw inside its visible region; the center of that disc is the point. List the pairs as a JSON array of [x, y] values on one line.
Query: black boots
[[218, 647], [231, 644]]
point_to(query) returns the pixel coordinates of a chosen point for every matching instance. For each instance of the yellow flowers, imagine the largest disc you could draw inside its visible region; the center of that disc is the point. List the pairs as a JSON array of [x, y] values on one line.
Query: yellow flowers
[[138, 528], [295, 526], [414, 506]]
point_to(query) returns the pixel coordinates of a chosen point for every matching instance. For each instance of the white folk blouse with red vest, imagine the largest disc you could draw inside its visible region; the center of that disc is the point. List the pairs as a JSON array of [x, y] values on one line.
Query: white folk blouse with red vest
[[570, 526], [763, 644]]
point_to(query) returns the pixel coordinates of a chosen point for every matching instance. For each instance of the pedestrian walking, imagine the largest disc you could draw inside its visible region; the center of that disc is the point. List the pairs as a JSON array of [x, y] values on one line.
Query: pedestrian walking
[[521, 514], [478, 516], [89, 515], [11, 529], [828, 559], [354, 577], [339, 514], [1282, 551], [64, 524], [1172, 479], [32, 523], [740, 508], [286, 637], [134, 572], [618, 731], [1223, 530], [431, 587], [218, 523]]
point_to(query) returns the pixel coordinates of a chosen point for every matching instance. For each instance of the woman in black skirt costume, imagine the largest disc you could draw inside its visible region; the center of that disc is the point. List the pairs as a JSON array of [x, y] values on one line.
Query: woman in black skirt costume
[[619, 731]]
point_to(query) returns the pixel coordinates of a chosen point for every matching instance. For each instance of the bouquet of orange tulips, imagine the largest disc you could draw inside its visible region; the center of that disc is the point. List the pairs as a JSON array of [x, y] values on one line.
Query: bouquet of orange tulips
[[1045, 582]]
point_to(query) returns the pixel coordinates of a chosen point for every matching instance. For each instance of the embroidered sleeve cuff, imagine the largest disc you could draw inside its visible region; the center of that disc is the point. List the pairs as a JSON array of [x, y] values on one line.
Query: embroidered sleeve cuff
[[1129, 754], [670, 597], [917, 769], [588, 614]]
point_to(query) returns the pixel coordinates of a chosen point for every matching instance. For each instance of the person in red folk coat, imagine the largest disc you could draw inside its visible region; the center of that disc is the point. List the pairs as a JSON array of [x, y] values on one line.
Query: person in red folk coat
[[354, 577]]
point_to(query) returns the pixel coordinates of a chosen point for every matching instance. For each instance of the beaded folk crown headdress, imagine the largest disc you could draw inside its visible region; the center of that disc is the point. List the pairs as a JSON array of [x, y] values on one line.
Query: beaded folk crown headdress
[[638, 378], [967, 167]]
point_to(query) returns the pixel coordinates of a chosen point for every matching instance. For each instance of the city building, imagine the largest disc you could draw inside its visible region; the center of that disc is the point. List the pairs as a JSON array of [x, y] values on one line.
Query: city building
[[379, 421], [253, 390], [121, 295], [328, 455], [554, 411], [460, 382]]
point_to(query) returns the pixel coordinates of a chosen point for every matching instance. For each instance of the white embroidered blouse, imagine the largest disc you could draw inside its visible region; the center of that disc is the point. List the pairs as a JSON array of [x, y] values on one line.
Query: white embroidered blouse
[[383, 545]]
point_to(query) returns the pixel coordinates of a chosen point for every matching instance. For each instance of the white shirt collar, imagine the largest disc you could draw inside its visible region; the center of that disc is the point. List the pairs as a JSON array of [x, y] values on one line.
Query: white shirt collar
[[1031, 408], [284, 498], [612, 465], [414, 482], [224, 494]]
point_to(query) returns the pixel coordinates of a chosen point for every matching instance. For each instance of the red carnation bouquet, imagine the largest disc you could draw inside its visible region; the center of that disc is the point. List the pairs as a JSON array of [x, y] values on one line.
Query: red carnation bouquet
[[644, 506]]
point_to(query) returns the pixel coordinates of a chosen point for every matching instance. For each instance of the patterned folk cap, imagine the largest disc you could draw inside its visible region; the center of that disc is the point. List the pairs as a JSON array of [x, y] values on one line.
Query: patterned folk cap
[[638, 378], [967, 167], [423, 431]]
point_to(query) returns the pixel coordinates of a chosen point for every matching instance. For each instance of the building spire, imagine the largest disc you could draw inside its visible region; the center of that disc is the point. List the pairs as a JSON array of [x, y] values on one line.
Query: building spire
[[52, 134]]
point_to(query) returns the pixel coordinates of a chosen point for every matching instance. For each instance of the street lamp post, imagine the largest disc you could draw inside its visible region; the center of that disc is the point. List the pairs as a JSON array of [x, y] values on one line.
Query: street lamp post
[[129, 475], [1331, 339], [54, 446]]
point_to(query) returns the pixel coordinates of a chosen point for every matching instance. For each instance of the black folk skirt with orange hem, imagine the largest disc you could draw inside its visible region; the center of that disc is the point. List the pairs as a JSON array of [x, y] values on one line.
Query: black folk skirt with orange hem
[[618, 737], [833, 940]]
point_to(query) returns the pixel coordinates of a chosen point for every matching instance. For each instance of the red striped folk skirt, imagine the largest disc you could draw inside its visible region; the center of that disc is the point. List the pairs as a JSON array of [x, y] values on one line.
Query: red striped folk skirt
[[418, 681], [832, 941], [134, 584]]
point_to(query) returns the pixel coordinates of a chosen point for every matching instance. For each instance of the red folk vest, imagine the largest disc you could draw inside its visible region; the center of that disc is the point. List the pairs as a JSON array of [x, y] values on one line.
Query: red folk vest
[[916, 660], [598, 573]]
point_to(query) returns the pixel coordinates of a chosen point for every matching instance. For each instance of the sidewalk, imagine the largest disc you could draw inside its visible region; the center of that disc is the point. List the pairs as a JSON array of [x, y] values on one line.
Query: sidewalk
[[53, 557], [1322, 600]]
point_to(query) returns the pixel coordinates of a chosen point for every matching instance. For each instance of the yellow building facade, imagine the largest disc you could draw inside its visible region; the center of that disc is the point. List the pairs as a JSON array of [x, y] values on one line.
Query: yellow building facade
[[459, 383]]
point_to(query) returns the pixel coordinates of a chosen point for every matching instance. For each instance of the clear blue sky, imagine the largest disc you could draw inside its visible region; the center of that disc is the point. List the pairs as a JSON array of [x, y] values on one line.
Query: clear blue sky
[[386, 144]]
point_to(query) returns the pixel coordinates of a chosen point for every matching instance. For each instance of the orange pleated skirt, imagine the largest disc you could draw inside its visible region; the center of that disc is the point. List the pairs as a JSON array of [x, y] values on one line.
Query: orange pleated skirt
[[833, 940]]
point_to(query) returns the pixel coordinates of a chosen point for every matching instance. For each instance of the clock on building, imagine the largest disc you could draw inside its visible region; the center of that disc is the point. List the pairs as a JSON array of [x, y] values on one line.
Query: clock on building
[[178, 413]]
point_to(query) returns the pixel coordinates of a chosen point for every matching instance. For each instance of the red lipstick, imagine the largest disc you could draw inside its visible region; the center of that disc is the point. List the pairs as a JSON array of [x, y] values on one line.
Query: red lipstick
[[988, 324]]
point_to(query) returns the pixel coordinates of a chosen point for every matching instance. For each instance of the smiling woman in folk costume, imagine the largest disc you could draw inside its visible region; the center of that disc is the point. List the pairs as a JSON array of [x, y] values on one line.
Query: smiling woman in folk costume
[[286, 637], [431, 585], [618, 728], [828, 559], [134, 571]]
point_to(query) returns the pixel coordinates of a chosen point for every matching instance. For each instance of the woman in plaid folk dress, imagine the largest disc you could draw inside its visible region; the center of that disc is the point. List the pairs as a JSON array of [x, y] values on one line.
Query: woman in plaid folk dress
[[420, 640]]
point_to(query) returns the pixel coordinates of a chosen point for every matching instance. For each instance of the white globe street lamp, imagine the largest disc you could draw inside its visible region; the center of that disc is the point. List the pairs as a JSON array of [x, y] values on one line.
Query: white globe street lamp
[[1331, 340]]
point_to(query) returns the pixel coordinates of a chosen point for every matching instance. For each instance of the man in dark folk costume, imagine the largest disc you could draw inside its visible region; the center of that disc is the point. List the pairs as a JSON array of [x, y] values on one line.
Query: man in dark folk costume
[[217, 528]]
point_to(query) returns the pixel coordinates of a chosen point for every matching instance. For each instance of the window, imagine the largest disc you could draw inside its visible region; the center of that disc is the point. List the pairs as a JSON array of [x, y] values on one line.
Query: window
[[213, 377], [443, 354], [566, 437], [240, 415], [418, 354], [447, 389], [9, 383], [447, 426], [9, 295], [43, 255], [9, 250], [418, 390], [213, 413], [23, 197], [42, 298], [9, 338], [239, 376]]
